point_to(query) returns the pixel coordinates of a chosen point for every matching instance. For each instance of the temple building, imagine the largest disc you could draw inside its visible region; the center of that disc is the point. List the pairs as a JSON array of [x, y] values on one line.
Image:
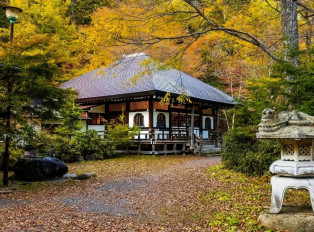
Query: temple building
[[134, 86]]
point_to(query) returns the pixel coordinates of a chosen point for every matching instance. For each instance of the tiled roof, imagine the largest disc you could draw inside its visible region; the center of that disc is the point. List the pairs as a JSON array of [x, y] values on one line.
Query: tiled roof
[[117, 80]]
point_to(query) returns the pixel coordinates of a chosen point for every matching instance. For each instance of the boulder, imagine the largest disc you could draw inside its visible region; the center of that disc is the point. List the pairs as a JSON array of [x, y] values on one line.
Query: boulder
[[37, 169], [293, 219], [69, 176], [83, 176]]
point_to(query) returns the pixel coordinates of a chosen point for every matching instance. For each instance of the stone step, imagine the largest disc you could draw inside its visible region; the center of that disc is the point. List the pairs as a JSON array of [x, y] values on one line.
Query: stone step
[[211, 150], [207, 147]]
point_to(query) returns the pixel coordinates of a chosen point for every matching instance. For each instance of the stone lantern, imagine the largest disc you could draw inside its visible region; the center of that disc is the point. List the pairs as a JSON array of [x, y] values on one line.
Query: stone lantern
[[295, 169]]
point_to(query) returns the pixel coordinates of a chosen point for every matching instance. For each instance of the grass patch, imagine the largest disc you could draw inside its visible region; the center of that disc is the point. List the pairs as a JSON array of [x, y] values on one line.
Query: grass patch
[[239, 200]]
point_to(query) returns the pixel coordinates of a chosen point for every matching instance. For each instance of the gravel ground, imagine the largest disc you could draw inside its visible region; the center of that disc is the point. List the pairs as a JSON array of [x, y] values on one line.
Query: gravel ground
[[147, 194], [157, 201]]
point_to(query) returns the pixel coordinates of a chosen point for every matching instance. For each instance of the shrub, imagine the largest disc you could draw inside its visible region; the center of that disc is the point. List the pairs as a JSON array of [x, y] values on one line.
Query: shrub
[[15, 154], [244, 153], [86, 145], [119, 135]]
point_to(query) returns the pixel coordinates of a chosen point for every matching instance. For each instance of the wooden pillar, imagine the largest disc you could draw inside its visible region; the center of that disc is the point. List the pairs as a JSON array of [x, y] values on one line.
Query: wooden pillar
[[201, 121], [186, 120], [127, 110], [150, 118], [170, 126], [86, 121], [170, 115], [165, 148], [153, 148], [139, 148], [107, 112], [217, 120], [192, 128]]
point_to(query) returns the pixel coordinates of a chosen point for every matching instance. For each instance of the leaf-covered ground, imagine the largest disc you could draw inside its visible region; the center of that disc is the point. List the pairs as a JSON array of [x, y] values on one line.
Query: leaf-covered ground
[[143, 193]]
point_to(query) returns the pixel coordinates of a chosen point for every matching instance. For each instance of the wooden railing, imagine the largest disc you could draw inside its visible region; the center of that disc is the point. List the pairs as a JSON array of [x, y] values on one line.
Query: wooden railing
[[162, 134], [213, 137]]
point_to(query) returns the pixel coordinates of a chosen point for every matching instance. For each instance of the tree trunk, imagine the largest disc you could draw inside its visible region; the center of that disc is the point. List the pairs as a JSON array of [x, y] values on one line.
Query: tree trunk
[[6, 155], [289, 24]]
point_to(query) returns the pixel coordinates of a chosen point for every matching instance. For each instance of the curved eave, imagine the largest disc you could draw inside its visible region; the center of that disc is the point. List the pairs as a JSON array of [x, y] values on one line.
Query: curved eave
[[154, 94]]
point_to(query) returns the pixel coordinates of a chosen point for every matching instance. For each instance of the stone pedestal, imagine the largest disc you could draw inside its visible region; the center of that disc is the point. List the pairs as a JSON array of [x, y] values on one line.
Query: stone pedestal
[[281, 183], [290, 218]]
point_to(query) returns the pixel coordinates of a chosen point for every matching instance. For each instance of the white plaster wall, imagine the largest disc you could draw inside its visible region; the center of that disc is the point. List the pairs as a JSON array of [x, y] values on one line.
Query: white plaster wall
[[97, 109], [211, 122], [146, 118], [205, 132], [155, 114], [98, 128]]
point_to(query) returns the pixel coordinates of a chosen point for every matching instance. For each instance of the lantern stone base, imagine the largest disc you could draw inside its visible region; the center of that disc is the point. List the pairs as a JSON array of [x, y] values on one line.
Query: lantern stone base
[[291, 218], [293, 168], [281, 183]]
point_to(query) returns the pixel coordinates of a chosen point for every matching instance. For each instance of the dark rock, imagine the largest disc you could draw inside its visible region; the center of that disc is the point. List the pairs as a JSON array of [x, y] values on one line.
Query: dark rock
[[85, 176], [36, 169]]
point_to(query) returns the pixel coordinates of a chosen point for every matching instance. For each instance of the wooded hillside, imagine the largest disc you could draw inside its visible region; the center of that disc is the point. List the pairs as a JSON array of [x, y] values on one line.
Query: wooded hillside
[[234, 45]]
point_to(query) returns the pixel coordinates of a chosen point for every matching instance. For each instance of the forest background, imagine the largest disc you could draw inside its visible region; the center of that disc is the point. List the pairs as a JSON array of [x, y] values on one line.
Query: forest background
[[235, 45]]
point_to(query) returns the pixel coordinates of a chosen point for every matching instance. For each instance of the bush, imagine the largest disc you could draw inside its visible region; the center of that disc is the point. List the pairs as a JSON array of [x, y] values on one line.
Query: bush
[[244, 153], [86, 145], [15, 154], [119, 135]]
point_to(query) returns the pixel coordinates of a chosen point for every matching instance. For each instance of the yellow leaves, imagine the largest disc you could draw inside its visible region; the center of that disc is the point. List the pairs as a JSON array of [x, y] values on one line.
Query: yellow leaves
[[166, 99]]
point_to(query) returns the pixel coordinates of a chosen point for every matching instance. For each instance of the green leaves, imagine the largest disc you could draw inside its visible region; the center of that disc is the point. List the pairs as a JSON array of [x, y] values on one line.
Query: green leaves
[[244, 153]]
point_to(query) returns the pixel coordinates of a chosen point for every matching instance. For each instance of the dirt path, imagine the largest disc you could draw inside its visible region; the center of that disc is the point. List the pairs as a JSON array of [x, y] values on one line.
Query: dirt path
[[158, 201]]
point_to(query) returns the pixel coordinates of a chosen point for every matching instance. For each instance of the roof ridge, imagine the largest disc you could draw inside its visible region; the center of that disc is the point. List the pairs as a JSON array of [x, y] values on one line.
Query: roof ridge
[[134, 55], [112, 77]]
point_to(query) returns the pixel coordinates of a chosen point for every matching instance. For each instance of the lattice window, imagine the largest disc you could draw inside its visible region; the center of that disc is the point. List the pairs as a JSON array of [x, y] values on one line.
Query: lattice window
[[304, 150], [288, 149]]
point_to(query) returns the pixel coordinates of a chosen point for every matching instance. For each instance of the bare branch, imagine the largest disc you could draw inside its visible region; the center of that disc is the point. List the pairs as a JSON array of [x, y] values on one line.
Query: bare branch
[[239, 34], [304, 6], [274, 8]]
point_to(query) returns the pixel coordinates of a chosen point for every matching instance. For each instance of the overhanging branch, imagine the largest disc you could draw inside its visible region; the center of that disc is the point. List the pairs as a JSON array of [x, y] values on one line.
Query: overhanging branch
[[305, 6], [239, 34]]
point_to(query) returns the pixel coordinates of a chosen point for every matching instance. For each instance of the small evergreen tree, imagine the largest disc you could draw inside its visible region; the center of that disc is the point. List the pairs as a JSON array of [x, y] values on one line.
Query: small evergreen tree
[[28, 92], [70, 115]]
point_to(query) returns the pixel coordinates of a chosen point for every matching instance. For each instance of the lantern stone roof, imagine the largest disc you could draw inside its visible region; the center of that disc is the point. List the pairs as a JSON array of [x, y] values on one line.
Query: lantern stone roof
[[137, 74], [286, 125]]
